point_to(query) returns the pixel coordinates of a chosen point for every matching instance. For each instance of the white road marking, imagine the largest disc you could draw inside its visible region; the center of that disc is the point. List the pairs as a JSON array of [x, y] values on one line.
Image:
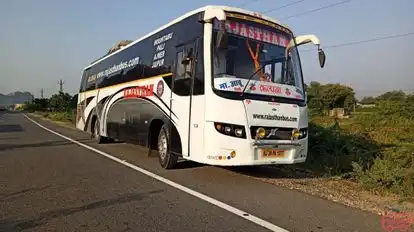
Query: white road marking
[[201, 196]]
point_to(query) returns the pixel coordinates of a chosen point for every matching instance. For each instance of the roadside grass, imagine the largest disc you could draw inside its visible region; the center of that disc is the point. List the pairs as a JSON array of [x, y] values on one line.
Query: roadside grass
[[374, 148], [63, 117]]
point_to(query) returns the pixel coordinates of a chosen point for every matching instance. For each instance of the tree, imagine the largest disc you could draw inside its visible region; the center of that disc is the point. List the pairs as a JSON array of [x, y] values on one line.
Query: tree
[[119, 45], [60, 102], [410, 98], [329, 96], [396, 95], [367, 100], [315, 101], [38, 104]]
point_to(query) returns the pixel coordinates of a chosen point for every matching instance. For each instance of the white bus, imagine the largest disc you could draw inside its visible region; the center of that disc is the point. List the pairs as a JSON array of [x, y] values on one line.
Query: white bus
[[218, 85]]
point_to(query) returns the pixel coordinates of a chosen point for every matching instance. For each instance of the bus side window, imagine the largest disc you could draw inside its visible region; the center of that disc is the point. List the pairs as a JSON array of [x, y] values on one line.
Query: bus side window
[[91, 79], [180, 73], [84, 80], [182, 80], [198, 86]]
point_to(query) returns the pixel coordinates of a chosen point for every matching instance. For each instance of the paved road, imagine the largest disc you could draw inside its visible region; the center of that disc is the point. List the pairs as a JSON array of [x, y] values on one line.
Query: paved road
[[48, 183]]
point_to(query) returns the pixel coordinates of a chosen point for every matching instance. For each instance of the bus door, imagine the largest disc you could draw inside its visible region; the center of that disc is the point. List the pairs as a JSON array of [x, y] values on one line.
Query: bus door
[[182, 86]]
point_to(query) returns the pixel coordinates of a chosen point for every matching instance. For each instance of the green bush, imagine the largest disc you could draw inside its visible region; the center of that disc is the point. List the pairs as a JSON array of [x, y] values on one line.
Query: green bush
[[333, 151], [393, 172], [67, 116], [376, 147]]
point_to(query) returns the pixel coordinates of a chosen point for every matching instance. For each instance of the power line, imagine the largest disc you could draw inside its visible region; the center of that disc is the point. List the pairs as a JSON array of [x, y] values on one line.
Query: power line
[[364, 41], [249, 2], [317, 9], [284, 6]]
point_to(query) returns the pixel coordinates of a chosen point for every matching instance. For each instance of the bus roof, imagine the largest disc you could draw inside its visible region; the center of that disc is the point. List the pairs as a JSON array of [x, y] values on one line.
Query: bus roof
[[209, 7]]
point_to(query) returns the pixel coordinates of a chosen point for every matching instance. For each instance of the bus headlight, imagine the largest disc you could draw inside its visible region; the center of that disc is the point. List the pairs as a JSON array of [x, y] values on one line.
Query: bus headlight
[[230, 129], [295, 134], [299, 133], [260, 133]]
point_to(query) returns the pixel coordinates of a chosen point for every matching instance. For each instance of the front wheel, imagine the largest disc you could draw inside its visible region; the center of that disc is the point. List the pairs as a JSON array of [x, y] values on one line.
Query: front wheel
[[166, 159]]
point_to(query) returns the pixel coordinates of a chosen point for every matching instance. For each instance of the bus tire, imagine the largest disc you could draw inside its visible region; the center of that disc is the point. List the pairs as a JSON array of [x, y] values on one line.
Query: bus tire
[[95, 132], [166, 158]]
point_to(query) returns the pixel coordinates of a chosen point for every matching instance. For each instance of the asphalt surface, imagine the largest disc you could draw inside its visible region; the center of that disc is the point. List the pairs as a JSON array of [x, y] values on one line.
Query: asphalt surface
[[48, 183]]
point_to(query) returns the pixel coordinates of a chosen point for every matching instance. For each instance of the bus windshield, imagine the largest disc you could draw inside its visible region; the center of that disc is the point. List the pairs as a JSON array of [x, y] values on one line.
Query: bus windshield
[[258, 54]]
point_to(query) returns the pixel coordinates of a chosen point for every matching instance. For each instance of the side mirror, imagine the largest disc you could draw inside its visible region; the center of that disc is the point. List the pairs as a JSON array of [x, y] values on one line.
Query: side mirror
[[305, 39], [186, 61], [221, 40], [188, 57], [322, 57]]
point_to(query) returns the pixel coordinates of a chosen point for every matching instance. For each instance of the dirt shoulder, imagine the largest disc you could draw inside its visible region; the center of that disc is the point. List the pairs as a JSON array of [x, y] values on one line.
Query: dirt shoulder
[[334, 189]]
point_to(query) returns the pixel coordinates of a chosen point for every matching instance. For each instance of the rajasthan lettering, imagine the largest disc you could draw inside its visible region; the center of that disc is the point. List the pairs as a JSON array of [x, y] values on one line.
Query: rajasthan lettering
[[255, 33]]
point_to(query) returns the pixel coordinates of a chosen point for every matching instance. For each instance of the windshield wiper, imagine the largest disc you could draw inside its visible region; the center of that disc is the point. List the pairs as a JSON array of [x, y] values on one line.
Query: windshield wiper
[[248, 80], [266, 63]]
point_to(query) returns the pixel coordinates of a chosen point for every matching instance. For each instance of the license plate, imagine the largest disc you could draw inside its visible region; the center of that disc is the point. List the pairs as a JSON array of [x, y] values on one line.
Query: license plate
[[273, 153]]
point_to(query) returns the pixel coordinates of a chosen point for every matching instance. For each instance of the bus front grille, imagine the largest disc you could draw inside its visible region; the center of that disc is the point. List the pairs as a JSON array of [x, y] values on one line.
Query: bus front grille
[[273, 133]]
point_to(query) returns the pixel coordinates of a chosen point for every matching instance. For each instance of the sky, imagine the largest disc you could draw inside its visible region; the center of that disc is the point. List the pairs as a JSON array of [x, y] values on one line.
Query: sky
[[44, 41]]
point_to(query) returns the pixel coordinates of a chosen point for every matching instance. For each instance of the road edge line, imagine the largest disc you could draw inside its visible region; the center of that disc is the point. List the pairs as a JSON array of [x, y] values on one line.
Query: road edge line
[[187, 190]]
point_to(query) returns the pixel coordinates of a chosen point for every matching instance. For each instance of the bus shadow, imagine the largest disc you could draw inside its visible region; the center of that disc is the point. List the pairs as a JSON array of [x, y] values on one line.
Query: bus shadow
[[181, 164], [186, 164], [273, 172]]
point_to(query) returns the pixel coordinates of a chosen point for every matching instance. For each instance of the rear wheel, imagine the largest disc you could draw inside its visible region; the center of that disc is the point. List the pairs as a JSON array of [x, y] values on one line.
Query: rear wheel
[[166, 159], [95, 132]]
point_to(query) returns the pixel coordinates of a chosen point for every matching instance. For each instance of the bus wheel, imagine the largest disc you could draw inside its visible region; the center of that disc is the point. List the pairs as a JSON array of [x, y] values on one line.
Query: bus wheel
[[95, 133], [166, 159]]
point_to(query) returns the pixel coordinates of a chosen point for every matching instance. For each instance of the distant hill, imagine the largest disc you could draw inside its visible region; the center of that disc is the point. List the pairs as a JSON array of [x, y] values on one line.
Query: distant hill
[[15, 98]]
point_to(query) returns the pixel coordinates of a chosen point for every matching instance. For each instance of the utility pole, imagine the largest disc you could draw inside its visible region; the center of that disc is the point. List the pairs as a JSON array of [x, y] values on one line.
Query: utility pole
[[61, 86], [41, 93]]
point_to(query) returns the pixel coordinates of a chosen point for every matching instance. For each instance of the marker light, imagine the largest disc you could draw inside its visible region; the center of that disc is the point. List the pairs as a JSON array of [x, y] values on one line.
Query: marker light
[[233, 130], [219, 127], [238, 132]]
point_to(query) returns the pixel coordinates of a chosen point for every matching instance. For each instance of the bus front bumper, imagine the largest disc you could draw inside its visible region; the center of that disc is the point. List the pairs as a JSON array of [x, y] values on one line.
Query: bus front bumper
[[228, 151]]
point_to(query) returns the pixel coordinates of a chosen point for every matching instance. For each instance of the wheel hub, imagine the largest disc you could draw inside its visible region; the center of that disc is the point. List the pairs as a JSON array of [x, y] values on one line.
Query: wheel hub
[[162, 146]]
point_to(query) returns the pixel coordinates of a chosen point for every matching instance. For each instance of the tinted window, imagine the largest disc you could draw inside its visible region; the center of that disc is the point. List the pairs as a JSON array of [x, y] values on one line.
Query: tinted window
[[83, 81], [91, 79], [180, 73], [182, 77], [199, 71], [153, 56]]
